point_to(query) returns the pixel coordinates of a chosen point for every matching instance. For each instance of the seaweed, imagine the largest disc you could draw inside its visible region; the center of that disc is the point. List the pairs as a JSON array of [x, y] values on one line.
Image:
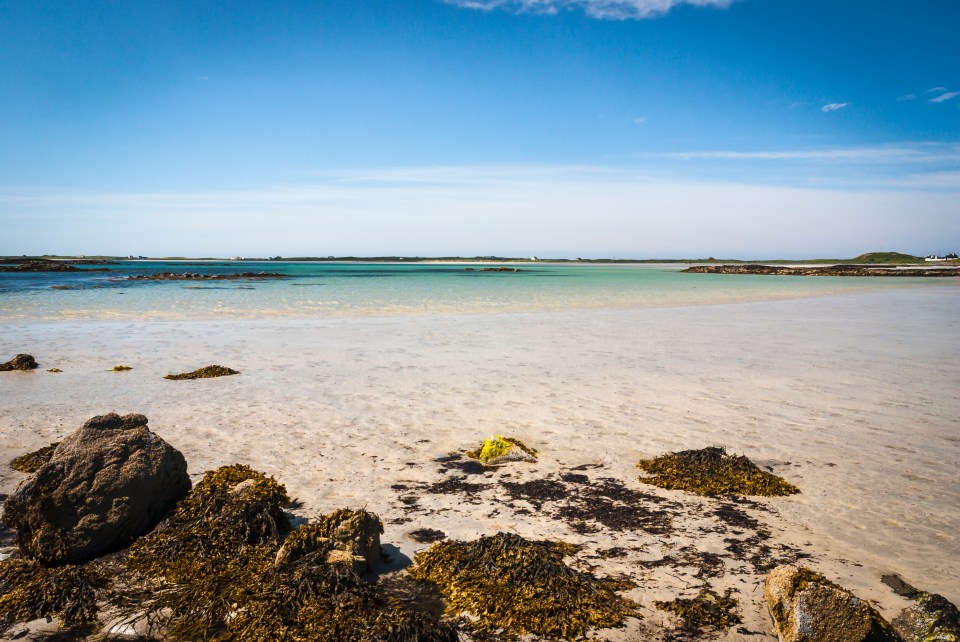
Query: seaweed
[[31, 462], [121, 368], [207, 372], [232, 509], [499, 449], [29, 590], [707, 609], [54, 370], [711, 471], [427, 535], [520, 587]]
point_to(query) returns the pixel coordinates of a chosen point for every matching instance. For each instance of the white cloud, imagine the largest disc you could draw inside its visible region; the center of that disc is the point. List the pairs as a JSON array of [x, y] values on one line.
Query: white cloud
[[605, 9], [833, 107], [639, 120], [944, 97], [934, 90], [906, 98]]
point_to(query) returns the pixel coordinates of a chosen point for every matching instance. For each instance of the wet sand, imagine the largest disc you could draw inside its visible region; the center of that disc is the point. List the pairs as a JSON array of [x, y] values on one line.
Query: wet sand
[[853, 398]]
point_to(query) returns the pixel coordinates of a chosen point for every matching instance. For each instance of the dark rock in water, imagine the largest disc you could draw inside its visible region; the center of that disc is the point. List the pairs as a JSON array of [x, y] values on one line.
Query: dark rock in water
[[207, 372], [933, 618], [19, 362], [194, 276], [806, 607], [47, 265], [501, 269], [106, 484], [821, 270]]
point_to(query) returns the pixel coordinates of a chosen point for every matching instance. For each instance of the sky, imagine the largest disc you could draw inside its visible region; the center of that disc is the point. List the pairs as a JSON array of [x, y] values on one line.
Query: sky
[[556, 128]]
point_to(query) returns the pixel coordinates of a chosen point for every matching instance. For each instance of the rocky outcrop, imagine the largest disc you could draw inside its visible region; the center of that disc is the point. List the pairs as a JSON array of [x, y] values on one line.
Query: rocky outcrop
[[46, 265], [19, 362], [194, 276], [820, 270], [806, 607], [107, 483], [933, 618]]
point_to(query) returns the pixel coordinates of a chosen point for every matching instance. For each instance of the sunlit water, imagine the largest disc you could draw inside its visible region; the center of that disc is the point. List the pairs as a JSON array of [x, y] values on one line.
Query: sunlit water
[[371, 289]]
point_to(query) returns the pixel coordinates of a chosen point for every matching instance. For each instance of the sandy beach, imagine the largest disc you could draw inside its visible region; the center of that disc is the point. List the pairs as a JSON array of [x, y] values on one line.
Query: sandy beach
[[853, 398]]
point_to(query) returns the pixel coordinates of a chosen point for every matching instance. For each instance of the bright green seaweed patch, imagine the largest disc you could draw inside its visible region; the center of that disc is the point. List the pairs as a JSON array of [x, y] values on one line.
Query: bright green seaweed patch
[[29, 590], [207, 372], [707, 609], [31, 462], [711, 471], [498, 449], [521, 587]]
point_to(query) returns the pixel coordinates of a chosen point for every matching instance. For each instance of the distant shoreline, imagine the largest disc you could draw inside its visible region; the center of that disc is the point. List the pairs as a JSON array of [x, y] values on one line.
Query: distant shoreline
[[873, 258]]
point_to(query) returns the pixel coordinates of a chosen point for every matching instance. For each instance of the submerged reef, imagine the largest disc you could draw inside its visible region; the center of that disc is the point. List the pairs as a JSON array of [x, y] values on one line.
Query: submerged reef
[[517, 586], [711, 471], [194, 276], [207, 372]]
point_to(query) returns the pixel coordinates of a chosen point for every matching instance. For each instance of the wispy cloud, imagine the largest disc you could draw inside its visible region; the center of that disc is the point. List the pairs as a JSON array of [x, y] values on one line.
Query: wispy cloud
[[833, 107], [639, 120], [944, 97], [934, 90], [604, 9], [930, 153], [906, 98]]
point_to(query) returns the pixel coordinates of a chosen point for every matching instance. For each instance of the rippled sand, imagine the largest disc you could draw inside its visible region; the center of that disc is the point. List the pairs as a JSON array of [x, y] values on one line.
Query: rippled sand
[[854, 398]]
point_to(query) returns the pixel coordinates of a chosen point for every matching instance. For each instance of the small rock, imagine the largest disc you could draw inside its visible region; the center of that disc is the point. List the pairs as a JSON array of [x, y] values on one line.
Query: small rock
[[20, 362], [933, 618], [806, 607]]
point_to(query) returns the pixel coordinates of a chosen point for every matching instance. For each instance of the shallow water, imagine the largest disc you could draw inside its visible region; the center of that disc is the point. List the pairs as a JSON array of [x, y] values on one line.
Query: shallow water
[[364, 289]]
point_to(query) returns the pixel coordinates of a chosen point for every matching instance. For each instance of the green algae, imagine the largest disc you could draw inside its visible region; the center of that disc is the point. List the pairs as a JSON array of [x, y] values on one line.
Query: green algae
[[207, 372], [31, 462], [517, 587], [711, 471], [707, 609], [29, 590], [497, 449]]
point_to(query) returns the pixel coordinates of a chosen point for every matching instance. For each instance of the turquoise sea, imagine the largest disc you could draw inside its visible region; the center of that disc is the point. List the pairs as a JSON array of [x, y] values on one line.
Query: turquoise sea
[[326, 289]]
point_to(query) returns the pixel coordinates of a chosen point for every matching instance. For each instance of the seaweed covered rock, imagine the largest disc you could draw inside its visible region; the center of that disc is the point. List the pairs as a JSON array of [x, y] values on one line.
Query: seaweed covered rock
[[206, 372], [223, 571], [20, 362], [31, 462], [497, 450], [711, 471], [106, 484], [521, 587], [232, 510], [806, 607], [29, 591], [351, 536], [933, 618]]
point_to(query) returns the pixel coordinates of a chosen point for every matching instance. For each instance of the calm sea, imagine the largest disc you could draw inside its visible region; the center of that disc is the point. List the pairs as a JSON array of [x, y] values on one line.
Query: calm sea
[[355, 289]]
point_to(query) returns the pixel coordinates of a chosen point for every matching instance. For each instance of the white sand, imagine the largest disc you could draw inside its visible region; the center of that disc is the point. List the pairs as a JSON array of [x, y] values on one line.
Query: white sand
[[854, 398]]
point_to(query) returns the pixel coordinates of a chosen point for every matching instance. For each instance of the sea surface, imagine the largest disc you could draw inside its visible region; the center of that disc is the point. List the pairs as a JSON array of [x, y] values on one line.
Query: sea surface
[[378, 289]]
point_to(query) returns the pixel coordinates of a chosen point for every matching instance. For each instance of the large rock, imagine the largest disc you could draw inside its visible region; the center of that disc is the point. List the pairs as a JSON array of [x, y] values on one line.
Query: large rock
[[106, 484], [933, 618], [806, 607]]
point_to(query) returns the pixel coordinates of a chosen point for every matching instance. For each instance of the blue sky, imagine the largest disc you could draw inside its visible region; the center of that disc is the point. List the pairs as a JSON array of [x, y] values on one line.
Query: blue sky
[[637, 128]]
